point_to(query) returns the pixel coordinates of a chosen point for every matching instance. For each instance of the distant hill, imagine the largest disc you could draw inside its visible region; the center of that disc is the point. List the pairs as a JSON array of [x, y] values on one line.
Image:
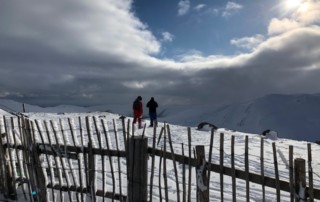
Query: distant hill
[[292, 116]]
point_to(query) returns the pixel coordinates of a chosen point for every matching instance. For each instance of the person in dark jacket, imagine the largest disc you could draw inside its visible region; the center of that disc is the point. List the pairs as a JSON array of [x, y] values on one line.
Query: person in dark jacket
[[137, 110], [152, 105]]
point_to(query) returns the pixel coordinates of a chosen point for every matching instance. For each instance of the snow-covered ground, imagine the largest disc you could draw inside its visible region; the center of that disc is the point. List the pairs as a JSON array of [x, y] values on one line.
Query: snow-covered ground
[[179, 136], [292, 116]]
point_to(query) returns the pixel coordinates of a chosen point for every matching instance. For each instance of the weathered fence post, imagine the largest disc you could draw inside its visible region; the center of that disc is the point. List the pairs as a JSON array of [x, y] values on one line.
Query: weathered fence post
[[137, 165], [300, 179], [202, 175]]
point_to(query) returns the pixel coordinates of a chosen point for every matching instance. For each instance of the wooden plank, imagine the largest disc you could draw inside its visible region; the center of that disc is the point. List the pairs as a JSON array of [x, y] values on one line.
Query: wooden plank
[[124, 131], [276, 170], [190, 164], [210, 153], [262, 168], [128, 130], [234, 190], [291, 179], [12, 192], [174, 164], [91, 167], [102, 157], [100, 193], [18, 164], [310, 173], [3, 165], [161, 131], [300, 178], [39, 173], [160, 166], [144, 129], [202, 176], [24, 154], [221, 165], [165, 179], [183, 176], [246, 164], [79, 157], [138, 169], [25, 131]]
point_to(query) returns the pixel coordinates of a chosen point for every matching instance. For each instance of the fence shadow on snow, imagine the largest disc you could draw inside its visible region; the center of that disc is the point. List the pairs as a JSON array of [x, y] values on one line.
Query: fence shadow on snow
[[81, 159]]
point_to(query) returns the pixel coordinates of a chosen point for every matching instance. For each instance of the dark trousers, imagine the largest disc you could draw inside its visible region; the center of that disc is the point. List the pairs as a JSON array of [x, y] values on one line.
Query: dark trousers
[[153, 118]]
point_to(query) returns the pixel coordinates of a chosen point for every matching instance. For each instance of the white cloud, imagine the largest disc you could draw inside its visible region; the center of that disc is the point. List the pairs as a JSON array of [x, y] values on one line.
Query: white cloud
[[278, 26], [102, 51], [183, 7], [305, 14], [167, 37], [308, 12], [199, 7], [231, 8], [249, 43]]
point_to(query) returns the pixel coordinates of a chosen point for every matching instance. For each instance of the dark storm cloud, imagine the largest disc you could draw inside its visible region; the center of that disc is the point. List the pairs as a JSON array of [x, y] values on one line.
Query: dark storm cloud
[[79, 52]]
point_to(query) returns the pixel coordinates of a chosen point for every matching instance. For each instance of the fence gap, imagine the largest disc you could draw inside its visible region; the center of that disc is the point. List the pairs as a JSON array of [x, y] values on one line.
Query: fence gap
[[174, 163], [105, 131], [115, 129], [153, 160], [165, 163]]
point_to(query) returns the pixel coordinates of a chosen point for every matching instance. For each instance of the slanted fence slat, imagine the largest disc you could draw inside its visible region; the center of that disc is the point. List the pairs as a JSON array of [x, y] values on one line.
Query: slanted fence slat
[[276, 171], [50, 160], [221, 165], [310, 173], [234, 190], [262, 168]]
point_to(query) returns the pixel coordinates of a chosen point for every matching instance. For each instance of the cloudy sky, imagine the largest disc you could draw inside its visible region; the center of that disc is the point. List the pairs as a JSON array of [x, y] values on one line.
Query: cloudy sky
[[179, 51]]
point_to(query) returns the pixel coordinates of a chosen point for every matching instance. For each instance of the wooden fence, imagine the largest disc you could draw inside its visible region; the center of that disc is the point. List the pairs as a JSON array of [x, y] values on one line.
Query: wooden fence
[[77, 159]]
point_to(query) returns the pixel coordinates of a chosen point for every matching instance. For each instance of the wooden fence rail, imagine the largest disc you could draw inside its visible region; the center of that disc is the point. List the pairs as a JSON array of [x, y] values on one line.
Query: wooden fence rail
[[63, 161]]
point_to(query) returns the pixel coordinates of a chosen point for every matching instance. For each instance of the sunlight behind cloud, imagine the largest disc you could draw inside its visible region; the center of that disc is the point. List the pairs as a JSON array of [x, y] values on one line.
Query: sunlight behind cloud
[[292, 4]]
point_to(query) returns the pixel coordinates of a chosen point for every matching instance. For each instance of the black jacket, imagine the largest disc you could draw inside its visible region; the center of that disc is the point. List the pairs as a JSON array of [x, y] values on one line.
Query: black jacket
[[152, 105]]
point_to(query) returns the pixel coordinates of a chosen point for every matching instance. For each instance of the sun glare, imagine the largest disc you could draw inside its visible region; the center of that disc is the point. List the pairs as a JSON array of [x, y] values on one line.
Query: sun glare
[[292, 4]]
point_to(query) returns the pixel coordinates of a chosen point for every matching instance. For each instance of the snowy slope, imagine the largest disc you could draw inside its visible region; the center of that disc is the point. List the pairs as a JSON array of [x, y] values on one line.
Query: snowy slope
[[179, 136], [292, 116]]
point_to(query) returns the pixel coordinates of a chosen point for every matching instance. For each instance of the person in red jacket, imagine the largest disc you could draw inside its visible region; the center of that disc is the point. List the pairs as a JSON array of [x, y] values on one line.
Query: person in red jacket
[[137, 110]]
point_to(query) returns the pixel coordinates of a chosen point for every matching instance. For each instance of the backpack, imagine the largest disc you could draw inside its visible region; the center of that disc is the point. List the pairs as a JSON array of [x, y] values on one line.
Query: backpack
[[136, 105]]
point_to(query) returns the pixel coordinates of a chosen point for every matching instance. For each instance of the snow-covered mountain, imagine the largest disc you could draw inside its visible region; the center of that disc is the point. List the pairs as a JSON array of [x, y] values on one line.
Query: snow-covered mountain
[[292, 116]]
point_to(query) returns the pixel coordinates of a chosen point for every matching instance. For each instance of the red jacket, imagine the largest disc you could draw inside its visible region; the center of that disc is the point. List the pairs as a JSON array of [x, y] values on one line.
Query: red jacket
[[138, 112]]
